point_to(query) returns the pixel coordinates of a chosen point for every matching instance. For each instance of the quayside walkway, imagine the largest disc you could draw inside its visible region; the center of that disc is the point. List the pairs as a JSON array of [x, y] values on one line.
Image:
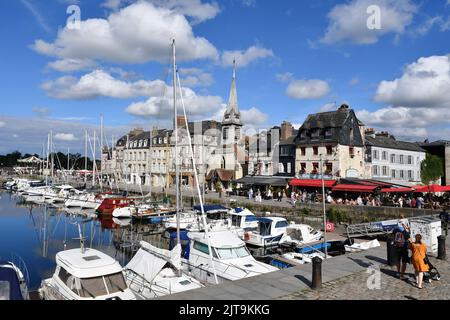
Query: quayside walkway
[[344, 278], [286, 282]]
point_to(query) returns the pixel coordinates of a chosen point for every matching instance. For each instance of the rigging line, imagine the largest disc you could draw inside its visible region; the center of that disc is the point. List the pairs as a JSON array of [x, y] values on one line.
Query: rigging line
[[197, 182]]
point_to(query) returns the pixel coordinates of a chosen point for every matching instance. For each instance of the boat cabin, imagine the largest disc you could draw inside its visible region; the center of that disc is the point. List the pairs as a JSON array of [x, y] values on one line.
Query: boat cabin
[[108, 205], [244, 219], [89, 275]]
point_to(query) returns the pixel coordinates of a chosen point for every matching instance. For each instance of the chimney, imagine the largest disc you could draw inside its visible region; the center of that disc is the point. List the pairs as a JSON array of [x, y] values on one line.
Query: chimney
[[287, 130], [344, 107], [382, 134], [135, 132], [181, 122], [370, 132], [155, 131]]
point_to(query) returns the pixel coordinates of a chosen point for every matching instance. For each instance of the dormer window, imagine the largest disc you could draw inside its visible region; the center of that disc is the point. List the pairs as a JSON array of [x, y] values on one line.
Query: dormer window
[[302, 134], [315, 133], [328, 133]]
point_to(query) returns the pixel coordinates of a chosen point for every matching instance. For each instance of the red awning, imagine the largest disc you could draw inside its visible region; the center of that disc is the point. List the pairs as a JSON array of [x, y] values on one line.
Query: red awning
[[311, 183], [354, 188], [397, 190], [432, 188]]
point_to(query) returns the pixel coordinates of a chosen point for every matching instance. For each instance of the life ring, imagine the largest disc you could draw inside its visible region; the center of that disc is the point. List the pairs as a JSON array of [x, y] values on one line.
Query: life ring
[[330, 227]]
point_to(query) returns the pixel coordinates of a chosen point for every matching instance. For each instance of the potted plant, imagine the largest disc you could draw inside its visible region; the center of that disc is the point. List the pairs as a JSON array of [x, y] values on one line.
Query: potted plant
[[219, 189]]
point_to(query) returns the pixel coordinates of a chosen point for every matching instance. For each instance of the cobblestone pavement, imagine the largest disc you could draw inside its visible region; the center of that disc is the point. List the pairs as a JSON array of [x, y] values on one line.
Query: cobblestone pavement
[[354, 287]]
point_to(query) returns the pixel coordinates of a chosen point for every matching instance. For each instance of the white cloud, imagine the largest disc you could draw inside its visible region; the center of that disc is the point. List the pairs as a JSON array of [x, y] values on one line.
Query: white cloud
[[307, 89], [194, 9], [162, 106], [285, 77], [424, 84], [244, 58], [348, 22], [2, 124], [114, 4], [65, 137], [100, 83], [254, 116], [194, 77], [138, 33], [71, 65]]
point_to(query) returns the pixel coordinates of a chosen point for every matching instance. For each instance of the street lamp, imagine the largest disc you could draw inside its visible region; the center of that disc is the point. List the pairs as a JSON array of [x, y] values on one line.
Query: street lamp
[[324, 208]]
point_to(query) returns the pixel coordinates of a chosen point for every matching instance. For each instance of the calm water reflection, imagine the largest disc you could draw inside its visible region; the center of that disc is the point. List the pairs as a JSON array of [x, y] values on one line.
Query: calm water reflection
[[38, 232]]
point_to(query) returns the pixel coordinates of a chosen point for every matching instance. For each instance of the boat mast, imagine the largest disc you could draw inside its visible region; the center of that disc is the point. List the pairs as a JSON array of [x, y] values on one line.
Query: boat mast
[[101, 151], [48, 160], [175, 130], [94, 163], [85, 155], [52, 153]]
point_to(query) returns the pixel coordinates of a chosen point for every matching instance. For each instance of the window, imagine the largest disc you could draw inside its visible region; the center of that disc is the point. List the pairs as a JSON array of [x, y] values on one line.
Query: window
[[375, 170], [115, 282], [145, 143], [281, 224], [302, 135], [375, 154], [401, 159], [329, 167], [232, 253], [384, 155], [315, 133], [351, 151], [410, 160], [201, 247], [140, 143], [281, 168], [329, 150], [92, 287], [402, 175], [225, 133], [303, 151], [316, 151], [315, 166], [410, 175], [303, 167], [393, 173], [327, 133], [289, 167], [385, 171], [392, 158]]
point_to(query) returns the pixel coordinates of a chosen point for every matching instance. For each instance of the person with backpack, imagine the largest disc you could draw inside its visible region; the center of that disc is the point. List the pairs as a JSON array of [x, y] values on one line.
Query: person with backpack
[[401, 236]]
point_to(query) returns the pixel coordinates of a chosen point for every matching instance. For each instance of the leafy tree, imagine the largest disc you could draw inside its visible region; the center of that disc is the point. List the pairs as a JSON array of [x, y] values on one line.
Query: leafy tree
[[431, 169]]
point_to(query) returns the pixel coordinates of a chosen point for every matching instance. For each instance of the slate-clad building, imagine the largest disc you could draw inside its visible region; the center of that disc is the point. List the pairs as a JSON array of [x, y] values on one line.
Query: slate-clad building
[[393, 160], [337, 137]]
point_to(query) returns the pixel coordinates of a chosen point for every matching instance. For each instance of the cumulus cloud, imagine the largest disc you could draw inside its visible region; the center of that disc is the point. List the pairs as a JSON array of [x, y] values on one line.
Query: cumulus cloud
[[244, 58], [307, 89], [162, 106], [425, 83], [195, 77], [65, 137], [138, 33], [254, 116], [71, 65], [328, 107], [100, 83], [348, 22], [285, 77]]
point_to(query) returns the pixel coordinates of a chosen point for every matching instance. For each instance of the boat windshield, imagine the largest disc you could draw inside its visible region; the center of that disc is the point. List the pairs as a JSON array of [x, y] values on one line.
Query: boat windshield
[[95, 287], [232, 253]]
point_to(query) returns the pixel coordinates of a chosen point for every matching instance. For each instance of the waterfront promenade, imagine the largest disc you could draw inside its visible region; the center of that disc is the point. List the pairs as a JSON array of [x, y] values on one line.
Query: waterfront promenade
[[344, 278]]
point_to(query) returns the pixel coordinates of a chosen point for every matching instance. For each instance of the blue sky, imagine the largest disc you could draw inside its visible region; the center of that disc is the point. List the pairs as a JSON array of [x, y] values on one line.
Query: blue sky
[[294, 58]]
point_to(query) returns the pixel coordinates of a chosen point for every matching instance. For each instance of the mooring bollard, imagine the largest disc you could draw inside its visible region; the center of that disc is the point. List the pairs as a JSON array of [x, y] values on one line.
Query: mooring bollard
[[316, 273], [441, 247], [391, 252]]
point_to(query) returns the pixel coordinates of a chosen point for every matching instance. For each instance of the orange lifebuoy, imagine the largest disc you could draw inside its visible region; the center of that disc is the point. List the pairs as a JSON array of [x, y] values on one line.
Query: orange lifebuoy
[[330, 227]]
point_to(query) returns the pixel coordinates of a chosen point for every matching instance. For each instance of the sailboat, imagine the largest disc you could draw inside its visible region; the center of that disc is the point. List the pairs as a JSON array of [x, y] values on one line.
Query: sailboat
[[155, 272]]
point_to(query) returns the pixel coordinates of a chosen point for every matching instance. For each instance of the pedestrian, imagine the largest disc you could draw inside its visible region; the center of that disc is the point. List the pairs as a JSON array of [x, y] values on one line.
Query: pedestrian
[[279, 195], [293, 198], [419, 202], [413, 202], [418, 259], [401, 236], [359, 201], [250, 194]]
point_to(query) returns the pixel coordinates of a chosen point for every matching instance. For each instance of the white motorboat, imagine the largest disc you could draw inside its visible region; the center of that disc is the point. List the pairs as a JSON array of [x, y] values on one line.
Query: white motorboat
[[275, 230], [188, 219], [13, 281], [124, 213], [155, 272], [86, 274], [230, 259], [84, 201]]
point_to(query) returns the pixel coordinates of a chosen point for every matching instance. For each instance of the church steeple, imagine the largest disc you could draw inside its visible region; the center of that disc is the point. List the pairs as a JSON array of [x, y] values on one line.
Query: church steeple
[[232, 115]]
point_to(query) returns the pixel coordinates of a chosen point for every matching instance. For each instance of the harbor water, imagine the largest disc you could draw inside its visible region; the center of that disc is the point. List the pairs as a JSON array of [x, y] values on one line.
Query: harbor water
[[37, 232]]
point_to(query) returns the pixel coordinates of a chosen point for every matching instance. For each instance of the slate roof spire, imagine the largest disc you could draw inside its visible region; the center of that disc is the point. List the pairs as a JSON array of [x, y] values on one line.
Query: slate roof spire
[[232, 115]]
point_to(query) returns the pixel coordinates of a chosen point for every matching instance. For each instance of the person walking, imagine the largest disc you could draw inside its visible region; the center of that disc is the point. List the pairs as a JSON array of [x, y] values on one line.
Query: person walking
[[250, 194], [419, 255], [293, 198], [280, 196], [401, 236]]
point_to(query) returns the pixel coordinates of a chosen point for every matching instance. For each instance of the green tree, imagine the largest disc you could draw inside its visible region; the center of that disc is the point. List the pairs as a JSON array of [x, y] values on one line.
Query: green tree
[[431, 169]]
